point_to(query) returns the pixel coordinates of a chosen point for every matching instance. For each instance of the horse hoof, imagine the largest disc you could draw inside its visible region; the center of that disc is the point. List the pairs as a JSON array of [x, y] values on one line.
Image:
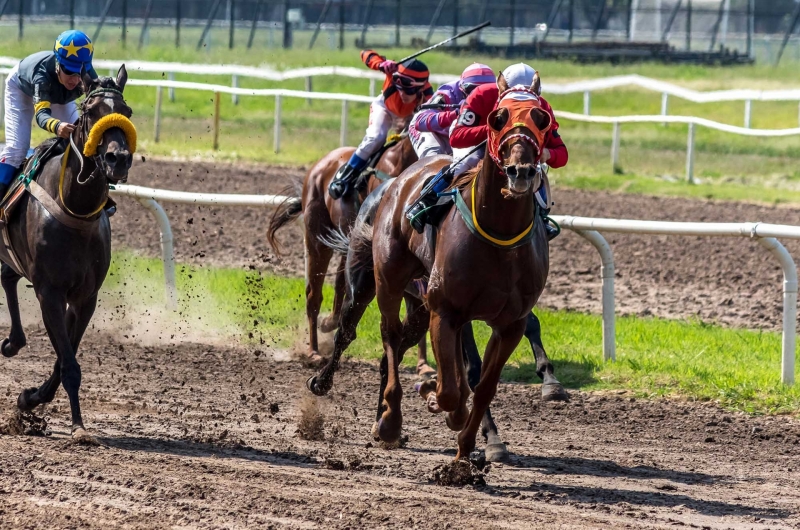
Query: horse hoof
[[328, 324], [7, 349], [387, 434], [425, 371], [24, 401], [81, 437], [554, 392], [496, 452], [314, 387], [432, 404]]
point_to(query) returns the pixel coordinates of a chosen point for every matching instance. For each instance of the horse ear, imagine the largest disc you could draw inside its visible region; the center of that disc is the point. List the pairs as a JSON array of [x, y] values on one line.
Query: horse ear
[[541, 118], [122, 77], [536, 86], [498, 118], [87, 80], [502, 84]]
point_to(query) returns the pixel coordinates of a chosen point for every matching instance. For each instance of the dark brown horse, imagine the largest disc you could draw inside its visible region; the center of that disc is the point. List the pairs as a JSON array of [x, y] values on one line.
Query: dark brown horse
[[63, 245], [488, 264], [324, 217]]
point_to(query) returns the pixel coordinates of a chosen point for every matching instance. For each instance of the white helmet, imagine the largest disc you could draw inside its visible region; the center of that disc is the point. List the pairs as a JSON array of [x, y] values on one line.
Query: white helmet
[[520, 74]]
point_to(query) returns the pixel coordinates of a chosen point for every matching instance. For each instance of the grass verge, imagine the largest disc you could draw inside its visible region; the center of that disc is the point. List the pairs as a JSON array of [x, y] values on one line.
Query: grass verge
[[739, 369]]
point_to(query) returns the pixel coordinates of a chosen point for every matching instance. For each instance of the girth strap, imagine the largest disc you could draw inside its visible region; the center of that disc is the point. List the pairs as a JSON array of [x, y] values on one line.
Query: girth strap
[[52, 207]]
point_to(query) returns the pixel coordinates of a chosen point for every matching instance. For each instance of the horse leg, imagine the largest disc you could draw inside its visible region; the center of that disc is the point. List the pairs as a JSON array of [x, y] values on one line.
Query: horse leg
[[358, 296], [331, 322], [501, 346], [415, 326], [423, 368], [552, 390], [390, 424], [414, 304], [496, 450], [53, 304], [318, 256], [452, 389], [77, 322], [16, 338]]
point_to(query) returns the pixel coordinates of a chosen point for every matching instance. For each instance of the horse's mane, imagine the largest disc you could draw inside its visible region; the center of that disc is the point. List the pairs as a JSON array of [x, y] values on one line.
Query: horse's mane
[[466, 179]]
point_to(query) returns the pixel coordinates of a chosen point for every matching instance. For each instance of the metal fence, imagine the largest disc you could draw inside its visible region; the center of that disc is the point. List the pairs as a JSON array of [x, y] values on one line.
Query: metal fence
[[689, 24]]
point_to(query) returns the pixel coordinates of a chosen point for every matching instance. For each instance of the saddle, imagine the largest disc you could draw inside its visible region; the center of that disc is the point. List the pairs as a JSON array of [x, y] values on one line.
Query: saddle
[[372, 162], [28, 173]]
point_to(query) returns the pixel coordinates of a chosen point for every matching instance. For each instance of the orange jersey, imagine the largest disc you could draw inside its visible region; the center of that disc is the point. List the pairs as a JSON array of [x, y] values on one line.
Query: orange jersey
[[391, 95]]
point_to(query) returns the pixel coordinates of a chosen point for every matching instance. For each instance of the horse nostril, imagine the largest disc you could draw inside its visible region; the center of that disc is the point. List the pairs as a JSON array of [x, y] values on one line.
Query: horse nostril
[[111, 159]]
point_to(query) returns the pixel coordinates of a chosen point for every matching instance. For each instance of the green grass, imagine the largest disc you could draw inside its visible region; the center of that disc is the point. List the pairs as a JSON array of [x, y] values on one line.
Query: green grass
[[652, 157], [739, 369]]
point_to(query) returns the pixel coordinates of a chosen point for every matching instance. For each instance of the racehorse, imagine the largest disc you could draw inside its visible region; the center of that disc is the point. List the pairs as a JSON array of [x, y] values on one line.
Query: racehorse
[[324, 217], [488, 261], [61, 236]]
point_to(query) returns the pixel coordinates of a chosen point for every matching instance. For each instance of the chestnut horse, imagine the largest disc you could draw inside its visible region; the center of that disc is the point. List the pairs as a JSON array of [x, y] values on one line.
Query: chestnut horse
[[488, 260], [324, 217]]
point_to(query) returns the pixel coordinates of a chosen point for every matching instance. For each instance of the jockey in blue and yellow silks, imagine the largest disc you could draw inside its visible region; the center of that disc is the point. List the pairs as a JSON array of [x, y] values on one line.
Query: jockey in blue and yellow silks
[[43, 86]]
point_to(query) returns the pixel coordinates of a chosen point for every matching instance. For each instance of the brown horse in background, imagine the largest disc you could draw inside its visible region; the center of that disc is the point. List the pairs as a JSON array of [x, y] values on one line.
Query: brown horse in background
[[323, 217], [469, 279]]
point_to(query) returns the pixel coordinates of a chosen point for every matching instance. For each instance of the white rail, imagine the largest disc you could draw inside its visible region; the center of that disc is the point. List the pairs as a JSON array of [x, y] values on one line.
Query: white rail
[[692, 121], [587, 227]]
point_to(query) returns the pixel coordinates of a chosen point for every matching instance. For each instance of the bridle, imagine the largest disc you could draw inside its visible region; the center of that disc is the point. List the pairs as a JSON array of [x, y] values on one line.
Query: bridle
[[83, 127]]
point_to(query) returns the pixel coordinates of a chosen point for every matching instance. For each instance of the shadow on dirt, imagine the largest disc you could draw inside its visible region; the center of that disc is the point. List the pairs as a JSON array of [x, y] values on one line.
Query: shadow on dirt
[[607, 468], [615, 496], [200, 449]]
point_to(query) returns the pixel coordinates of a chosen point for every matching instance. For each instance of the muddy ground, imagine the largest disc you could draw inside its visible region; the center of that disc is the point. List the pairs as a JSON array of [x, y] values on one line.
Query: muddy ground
[[207, 434], [731, 281], [200, 436]]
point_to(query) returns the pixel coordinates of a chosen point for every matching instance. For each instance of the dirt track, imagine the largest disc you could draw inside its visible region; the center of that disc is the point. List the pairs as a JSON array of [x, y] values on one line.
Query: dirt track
[[199, 436], [730, 281], [206, 435]]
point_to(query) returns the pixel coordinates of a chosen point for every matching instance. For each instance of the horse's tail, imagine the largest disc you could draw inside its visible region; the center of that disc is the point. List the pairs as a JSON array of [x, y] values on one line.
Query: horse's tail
[[336, 240], [359, 255], [289, 210]]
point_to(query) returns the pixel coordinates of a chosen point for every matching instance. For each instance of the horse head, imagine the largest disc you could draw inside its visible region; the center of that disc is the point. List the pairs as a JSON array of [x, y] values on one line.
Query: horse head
[[517, 129], [106, 132]]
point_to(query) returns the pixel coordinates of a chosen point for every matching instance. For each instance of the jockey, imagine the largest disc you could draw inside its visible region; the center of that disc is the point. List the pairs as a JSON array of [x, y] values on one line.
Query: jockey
[[43, 86], [471, 129], [430, 129], [406, 87]]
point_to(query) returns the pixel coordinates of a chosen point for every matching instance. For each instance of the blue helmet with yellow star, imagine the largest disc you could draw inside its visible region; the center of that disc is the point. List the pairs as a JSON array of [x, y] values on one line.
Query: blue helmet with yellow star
[[73, 51]]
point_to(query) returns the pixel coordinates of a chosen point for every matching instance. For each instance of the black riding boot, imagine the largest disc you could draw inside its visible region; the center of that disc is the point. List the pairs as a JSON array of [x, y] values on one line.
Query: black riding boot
[[342, 182], [551, 230], [417, 213], [110, 207]]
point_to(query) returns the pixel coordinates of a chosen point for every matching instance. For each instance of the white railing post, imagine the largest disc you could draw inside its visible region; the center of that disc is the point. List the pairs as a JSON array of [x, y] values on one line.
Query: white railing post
[[607, 273], [235, 84], [789, 306], [167, 251], [157, 117], [171, 77], [587, 101], [615, 167], [343, 127], [216, 120], [664, 105], [748, 106], [690, 155], [798, 114], [372, 88], [277, 129]]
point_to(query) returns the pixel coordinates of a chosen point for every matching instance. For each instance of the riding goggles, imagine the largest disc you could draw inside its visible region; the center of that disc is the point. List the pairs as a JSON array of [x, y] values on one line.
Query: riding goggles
[[406, 84]]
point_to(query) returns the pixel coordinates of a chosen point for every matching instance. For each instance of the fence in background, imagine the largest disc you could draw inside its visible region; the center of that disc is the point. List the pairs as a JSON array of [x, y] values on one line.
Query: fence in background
[[588, 228]]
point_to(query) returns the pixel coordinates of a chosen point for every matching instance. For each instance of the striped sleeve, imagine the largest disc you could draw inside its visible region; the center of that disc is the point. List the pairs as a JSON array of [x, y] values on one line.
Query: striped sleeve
[[372, 59], [41, 107]]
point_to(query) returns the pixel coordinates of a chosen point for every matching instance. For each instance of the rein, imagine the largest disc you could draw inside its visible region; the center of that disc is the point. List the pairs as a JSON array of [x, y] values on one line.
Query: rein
[[93, 138]]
